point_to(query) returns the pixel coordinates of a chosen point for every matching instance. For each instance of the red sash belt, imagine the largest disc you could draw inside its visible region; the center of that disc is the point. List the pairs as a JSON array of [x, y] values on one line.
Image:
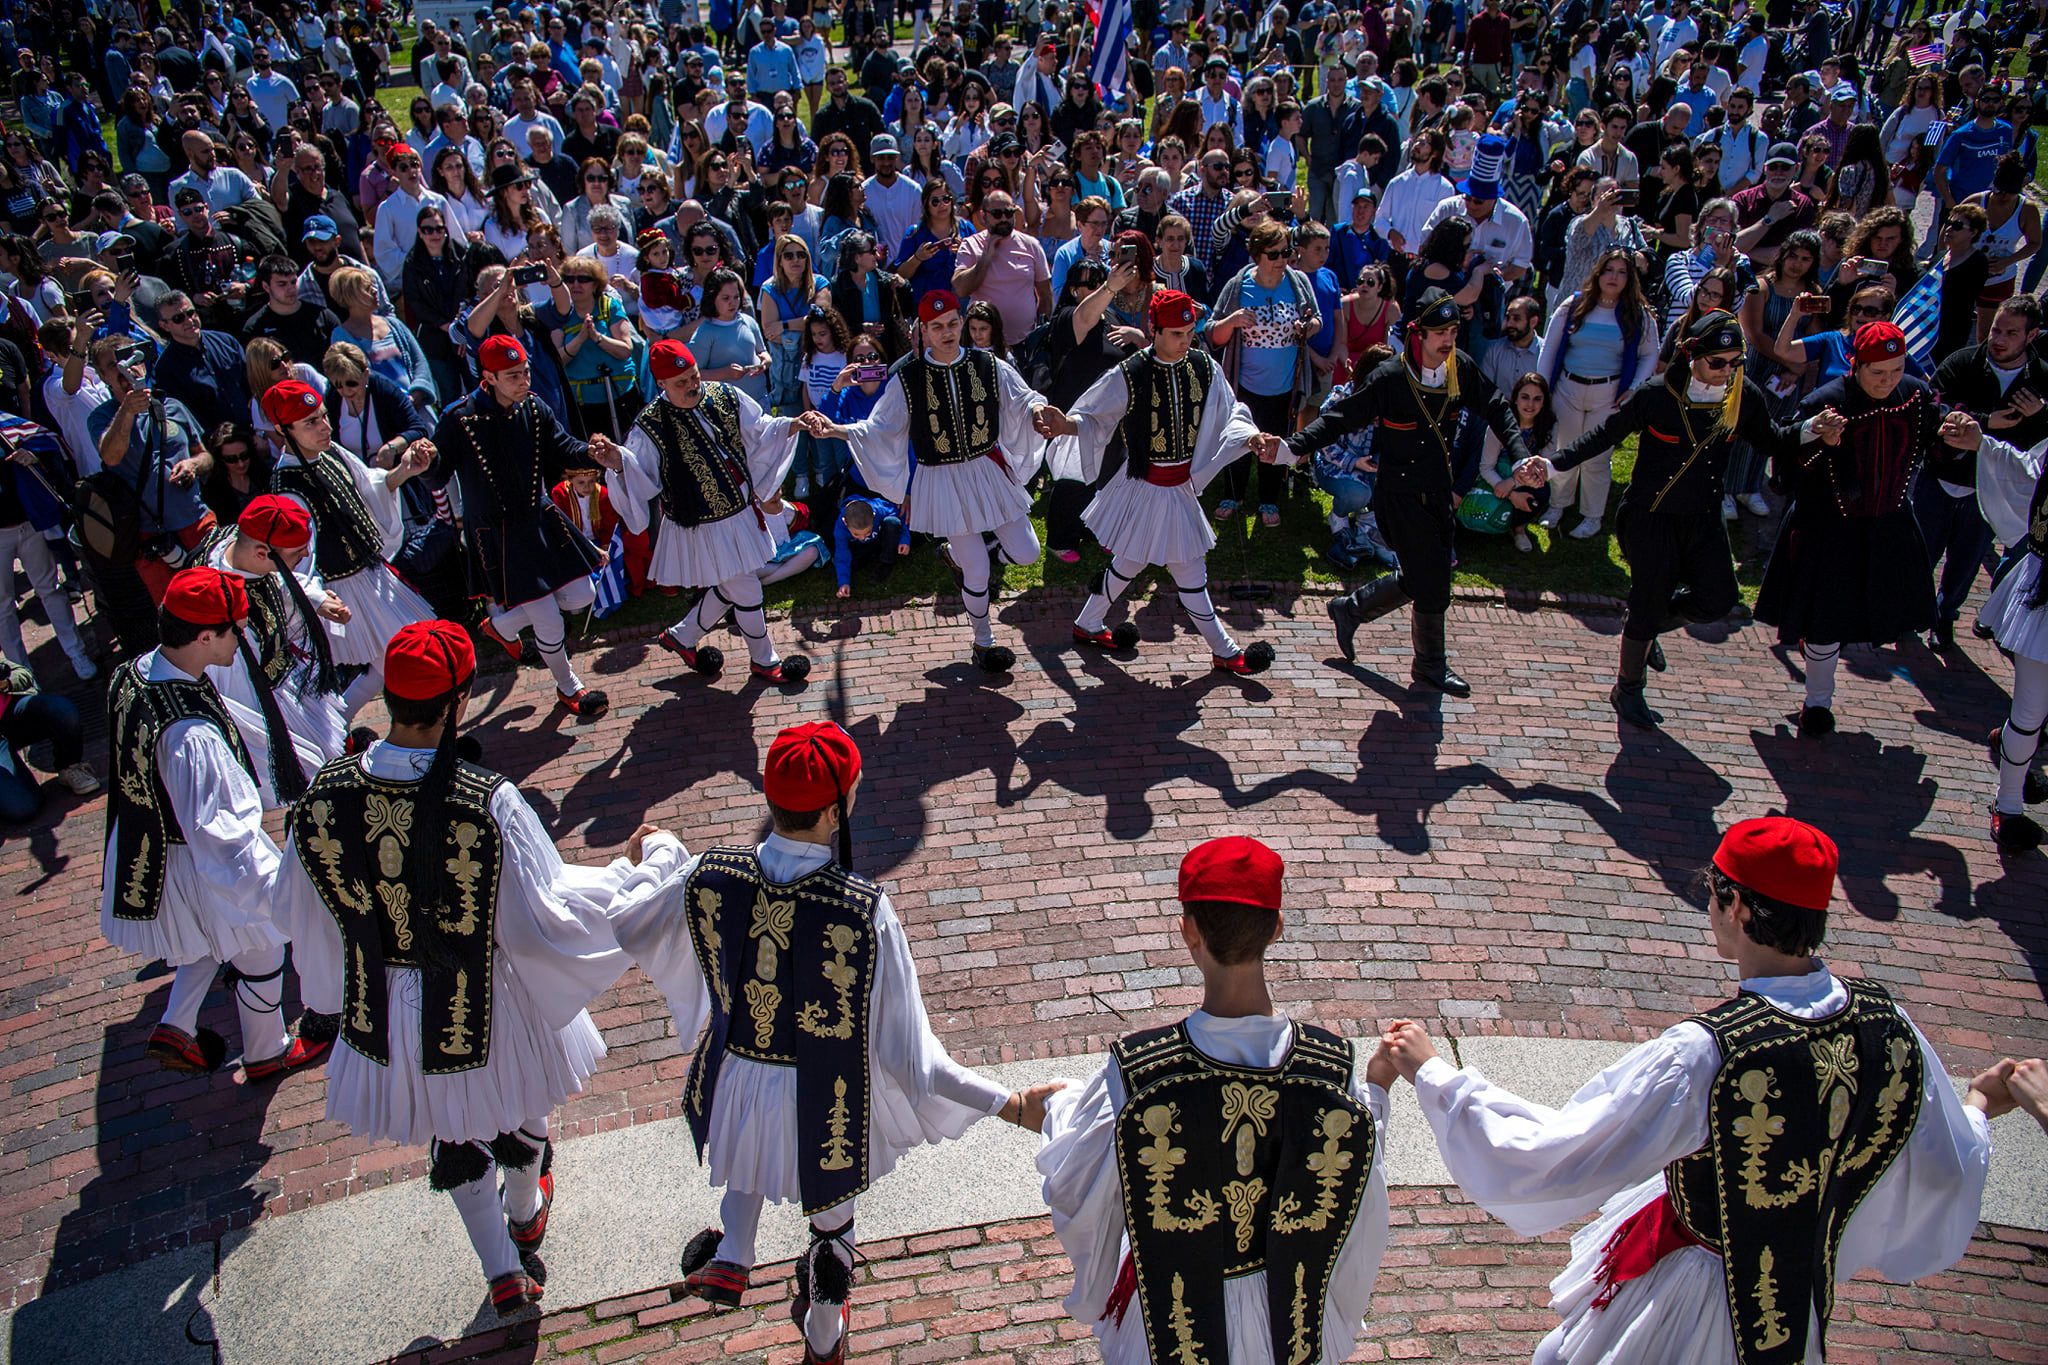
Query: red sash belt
[[1121, 1293], [1650, 1234], [996, 453], [1168, 475]]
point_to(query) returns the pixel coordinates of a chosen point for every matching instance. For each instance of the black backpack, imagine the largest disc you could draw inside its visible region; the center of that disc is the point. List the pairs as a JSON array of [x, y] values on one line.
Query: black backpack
[[107, 517]]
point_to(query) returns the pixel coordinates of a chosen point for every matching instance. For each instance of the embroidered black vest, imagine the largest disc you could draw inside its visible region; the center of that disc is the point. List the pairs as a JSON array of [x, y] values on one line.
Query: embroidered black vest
[[2037, 517], [268, 626], [139, 813], [504, 478], [1231, 1169], [1166, 409], [1805, 1117], [346, 537], [789, 969], [956, 411], [353, 831], [702, 480]]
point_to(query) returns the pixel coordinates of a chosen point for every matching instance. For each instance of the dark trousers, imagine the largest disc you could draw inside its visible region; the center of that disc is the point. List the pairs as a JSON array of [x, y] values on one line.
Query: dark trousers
[[1067, 499], [1422, 532], [29, 719], [1272, 412], [1951, 526], [1679, 569]]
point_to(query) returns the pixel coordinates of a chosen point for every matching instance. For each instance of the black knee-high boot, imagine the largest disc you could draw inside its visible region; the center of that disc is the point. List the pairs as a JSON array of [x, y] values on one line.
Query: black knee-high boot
[[1368, 603], [1432, 666], [1627, 692]]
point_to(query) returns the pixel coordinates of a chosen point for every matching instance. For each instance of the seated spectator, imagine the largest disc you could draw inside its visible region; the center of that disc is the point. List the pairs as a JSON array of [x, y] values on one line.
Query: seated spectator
[[28, 716]]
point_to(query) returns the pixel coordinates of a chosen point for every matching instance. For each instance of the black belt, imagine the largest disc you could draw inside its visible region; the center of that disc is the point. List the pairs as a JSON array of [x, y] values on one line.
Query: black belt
[[1581, 379]]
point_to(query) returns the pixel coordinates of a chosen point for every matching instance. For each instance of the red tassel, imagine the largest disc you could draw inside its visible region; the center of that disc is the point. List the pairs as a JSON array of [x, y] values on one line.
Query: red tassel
[[1651, 1233], [1121, 1293]]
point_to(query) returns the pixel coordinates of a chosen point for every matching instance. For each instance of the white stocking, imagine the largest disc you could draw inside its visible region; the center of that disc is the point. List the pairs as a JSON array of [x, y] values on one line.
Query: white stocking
[[789, 568], [1114, 581], [970, 556], [746, 598], [1192, 581], [740, 1212], [550, 635], [364, 690], [826, 1321], [189, 985], [1820, 672], [522, 1188], [708, 612], [260, 1004], [1019, 541], [483, 1217], [2020, 738]]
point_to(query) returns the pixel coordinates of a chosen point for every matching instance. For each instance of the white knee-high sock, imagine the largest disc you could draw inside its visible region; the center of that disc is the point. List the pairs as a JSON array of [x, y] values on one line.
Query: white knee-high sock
[[740, 1212], [826, 1321], [971, 555], [1019, 541], [2020, 738], [1191, 580], [747, 615], [189, 985], [259, 1004], [483, 1217], [1820, 672], [522, 1188], [550, 636], [708, 612], [1115, 580], [364, 690]]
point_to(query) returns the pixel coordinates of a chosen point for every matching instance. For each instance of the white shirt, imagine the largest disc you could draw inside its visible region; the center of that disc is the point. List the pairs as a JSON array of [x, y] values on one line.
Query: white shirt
[[896, 209], [1410, 198], [224, 189], [760, 124], [1742, 151], [70, 411], [398, 228], [1504, 238], [1676, 34]]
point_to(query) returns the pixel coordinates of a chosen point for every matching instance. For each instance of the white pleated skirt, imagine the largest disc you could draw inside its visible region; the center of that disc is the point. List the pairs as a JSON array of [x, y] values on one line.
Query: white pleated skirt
[[532, 1069], [705, 556], [963, 499], [2021, 629], [379, 605], [192, 923], [1135, 519]]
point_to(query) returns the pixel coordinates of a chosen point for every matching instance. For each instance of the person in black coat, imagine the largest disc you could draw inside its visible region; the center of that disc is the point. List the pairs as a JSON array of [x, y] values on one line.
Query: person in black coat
[[439, 279], [1671, 532], [1422, 403]]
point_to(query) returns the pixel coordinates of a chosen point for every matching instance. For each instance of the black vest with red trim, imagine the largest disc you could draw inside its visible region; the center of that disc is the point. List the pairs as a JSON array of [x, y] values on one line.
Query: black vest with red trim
[[1165, 415], [1232, 1169], [355, 834], [790, 968], [1805, 1117], [1681, 454], [346, 537], [139, 814], [956, 411], [704, 477]]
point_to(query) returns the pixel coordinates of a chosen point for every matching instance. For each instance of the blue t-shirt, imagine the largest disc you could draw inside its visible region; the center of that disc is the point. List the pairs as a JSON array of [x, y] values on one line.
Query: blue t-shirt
[[1268, 363], [1329, 299], [165, 505], [1971, 154]]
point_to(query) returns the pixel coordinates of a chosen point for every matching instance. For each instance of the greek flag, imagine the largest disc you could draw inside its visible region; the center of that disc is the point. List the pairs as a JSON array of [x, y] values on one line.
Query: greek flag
[[610, 580], [1112, 45]]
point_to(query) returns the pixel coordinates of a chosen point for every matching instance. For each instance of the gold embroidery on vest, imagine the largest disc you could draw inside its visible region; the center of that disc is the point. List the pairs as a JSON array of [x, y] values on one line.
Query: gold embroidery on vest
[[137, 893], [978, 405], [466, 870], [1242, 1197], [773, 920], [1298, 1348], [1835, 1065], [398, 909], [708, 904], [1186, 1351], [1758, 1131], [1889, 1100], [1247, 1109], [841, 940], [456, 1043], [328, 850], [838, 1147], [360, 1022], [763, 1000], [1328, 1167], [1770, 1320], [134, 785], [1161, 1158]]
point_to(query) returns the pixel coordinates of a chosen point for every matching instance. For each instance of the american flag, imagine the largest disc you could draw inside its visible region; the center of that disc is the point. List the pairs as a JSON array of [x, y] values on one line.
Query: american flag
[[40, 498], [610, 580], [1927, 54]]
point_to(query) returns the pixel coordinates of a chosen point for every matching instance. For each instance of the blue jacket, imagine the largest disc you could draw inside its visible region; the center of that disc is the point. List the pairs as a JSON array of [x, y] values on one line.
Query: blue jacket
[[396, 414]]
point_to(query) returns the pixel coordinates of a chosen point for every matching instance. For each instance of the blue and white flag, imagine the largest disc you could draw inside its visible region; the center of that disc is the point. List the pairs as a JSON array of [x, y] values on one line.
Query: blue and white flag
[[1112, 46], [610, 580]]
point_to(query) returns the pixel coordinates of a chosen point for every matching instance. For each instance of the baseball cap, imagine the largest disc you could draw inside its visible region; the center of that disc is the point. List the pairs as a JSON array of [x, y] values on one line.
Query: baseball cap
[[187, 197], [882, 144], [1783, 152], [319, 228]]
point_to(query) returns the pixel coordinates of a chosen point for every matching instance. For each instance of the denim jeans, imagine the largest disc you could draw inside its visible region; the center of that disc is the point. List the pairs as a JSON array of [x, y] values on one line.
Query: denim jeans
[[28, 719]]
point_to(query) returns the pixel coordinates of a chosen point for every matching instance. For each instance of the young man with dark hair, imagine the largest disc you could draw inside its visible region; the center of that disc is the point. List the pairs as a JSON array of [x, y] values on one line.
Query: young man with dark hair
[[189, 868], [1255, 1146], [1744, 1162], [434, 917], [815, 1068], [304, 330]]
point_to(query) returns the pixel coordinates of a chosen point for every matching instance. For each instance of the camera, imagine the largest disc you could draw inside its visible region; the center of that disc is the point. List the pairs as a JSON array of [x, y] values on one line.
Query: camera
[[529, 274], [1870, 270], [1813, 303]]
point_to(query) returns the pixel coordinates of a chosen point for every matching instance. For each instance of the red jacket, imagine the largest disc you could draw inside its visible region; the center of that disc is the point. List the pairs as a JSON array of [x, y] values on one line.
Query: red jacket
[[602, 518]]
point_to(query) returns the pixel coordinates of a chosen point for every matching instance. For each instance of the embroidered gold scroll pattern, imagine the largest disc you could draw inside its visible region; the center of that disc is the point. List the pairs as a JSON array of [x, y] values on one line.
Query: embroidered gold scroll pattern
[[1328, 1165], [838, 1147], [1161, 1159], [841, 975]]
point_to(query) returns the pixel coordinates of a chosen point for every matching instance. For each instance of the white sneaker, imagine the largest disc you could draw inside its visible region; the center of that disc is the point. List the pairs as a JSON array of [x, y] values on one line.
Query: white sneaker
[[1586, 529], [1522, 541], [85, 668], [1728, 512], [1756, 505], [79, 778], [803, 486], [1552, 519]]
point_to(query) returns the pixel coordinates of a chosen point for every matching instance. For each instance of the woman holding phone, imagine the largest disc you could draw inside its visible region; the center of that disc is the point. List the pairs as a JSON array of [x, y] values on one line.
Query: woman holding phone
[[931, 249]]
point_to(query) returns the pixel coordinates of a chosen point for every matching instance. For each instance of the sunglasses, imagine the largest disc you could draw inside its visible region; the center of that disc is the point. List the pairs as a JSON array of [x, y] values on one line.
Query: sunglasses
[[350, 384], [1715, 364], [942, 199], [432, 230], [703, 251], [1866, 312], [199, 210], [184, 315], [234, 456], [1275, 255], [596, 180]]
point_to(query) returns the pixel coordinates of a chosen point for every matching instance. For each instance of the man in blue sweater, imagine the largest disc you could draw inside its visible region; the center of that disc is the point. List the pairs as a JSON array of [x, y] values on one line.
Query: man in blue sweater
[[869, 525]]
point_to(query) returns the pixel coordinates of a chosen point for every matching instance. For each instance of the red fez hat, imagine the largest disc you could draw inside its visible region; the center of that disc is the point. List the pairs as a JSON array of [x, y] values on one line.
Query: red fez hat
[[810, 766], [428, 659], [290, 401], [1785, 859], [276, 521], [1877, 341], [500, 353], [670, 358], [206, 597], [1237, 869], [1171, 308], [937, 304]]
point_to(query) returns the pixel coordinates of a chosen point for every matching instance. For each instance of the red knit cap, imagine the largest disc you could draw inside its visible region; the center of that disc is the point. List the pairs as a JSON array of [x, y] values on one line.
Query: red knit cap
[[206, 597], [670, 358], [1237, 869], [1171, 308], [1785, 859], [428, 659], [937, 304], [277, 521], [1877, 341], [500, 353], [810, 766], [290, 401]]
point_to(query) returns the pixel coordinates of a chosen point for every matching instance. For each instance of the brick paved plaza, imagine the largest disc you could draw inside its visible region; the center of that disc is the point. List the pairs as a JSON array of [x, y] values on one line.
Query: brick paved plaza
[[1509, 865]]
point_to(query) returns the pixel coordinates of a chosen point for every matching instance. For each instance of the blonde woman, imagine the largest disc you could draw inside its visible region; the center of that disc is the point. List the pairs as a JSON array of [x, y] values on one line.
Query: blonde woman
[[266, 362], [785, 302], [392, 349]]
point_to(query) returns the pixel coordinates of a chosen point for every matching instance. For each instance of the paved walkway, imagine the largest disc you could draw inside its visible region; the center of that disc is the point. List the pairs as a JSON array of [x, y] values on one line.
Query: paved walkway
[[1512, 866]]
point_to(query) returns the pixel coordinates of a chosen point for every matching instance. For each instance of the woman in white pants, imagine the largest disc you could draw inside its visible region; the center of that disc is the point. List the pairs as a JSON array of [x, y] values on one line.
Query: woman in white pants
[[1601, 343], [24, 542]]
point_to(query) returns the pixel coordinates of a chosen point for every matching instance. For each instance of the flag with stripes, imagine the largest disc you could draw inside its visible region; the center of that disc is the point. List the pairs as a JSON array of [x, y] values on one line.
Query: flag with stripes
[[610, 578], [1927, 54], [1918, 315], [1112, 45]]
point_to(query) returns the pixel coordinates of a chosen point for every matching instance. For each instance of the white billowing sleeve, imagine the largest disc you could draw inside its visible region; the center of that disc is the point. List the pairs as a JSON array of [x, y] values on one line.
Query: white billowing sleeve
[[771, 445], [1536, 1168], [1096, 415], [880, 443], [1225, 434], [385, 502], [636, 482], [1921, 1214], [947, 1096], [650, 922], [552, 931], [2006, 477], [1023, 448], [221, 812], [304, 918]]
